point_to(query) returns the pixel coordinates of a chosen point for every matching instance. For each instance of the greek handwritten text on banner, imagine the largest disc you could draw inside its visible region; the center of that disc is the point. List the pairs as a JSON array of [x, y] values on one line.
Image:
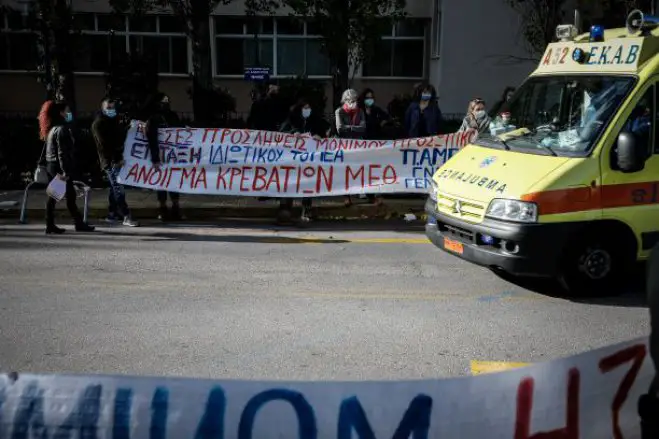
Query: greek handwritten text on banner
[[589, 396], [224, 161]]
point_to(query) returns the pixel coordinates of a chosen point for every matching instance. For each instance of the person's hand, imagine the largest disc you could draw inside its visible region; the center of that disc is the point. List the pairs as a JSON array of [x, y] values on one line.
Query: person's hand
[[157, 166], [63, 177], [316, 137], [121, 164]]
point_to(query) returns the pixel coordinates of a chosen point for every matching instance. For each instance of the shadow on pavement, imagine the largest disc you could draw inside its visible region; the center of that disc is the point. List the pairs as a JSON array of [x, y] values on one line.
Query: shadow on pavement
[[633, 297]]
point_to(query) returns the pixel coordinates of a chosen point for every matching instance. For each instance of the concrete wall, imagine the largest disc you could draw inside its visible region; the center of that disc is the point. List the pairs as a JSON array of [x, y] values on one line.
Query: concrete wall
[[477, 37]]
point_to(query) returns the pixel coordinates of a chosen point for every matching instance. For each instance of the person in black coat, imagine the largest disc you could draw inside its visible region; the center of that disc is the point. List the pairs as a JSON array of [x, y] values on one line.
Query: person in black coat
[[61, 160], [376, 118], [302, 119], [109, 137], [160, 115]]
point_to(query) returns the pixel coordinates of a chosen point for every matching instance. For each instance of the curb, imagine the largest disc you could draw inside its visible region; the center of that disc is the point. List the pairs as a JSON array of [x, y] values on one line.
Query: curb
[[354, 213]]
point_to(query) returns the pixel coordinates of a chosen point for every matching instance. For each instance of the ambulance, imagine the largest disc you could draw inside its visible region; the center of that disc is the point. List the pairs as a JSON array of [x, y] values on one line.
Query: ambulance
[[565, 183]]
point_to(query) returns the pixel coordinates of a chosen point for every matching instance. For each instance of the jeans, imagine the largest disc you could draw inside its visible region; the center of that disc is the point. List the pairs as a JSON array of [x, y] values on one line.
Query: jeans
[[53, 170], [117, 197], [173, 196]]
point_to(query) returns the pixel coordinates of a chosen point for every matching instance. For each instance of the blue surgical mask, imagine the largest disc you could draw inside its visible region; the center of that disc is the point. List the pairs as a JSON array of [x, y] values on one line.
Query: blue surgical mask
[[426, 96], [68, 117], [110, 112], [369, 102], [306, 112]]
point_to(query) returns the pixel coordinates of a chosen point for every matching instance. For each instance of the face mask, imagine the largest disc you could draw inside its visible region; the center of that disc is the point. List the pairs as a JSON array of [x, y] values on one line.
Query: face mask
[[306, 112], [369, 102], [480, 114], [426, 96], [110, 112], [68, 117]]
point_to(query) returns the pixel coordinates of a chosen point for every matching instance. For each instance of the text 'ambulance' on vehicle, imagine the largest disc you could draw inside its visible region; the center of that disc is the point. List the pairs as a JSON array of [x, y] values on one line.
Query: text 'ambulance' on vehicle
[[567, 184]]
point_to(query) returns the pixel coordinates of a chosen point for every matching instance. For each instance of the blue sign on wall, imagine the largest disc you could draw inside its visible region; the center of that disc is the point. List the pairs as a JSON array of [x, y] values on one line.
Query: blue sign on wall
[[257, 74]]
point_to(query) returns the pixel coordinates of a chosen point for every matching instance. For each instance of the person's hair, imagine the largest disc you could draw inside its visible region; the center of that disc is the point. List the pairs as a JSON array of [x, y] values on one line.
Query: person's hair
[[349, 95], [300, 104], [108, 100], [362, 96], [50, 115], [506, 91]]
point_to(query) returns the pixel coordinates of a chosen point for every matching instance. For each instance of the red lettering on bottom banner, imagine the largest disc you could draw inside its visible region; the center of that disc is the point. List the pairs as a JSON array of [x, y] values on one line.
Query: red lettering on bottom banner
[[634, 354], [372, 173], [525, 407], [280, 179]]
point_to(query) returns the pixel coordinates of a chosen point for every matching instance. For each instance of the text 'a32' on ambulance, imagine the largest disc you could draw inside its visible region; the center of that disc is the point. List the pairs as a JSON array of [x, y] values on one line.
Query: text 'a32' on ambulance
[[566, 184]]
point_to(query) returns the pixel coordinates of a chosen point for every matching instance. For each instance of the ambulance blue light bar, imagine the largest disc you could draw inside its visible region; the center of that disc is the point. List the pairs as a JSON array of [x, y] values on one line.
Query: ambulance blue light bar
[[596, 33]]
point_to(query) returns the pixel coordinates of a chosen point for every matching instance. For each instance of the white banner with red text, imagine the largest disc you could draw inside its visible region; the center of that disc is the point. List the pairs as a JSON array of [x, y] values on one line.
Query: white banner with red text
[[588, 396], [226, 161]]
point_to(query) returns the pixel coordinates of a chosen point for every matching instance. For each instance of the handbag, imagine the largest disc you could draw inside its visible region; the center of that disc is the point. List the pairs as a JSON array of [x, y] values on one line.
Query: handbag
[[41, 173]]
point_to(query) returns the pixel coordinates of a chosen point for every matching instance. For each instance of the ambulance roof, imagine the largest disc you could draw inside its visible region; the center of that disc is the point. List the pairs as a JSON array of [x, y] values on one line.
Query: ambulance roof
[[619, 52]]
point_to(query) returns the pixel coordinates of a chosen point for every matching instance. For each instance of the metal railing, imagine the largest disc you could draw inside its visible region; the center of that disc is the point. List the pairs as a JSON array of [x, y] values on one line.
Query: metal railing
[[82, 191]]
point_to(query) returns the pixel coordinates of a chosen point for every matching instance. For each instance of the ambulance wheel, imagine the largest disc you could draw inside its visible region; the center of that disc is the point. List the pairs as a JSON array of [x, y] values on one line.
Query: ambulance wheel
[[595, 265]]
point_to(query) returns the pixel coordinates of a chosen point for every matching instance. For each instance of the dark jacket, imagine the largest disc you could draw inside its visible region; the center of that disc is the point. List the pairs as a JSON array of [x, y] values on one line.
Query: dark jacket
[[296, 124], [374, 122], [60, 149], [162, 119], [349, 127], [432, 115], [109, 136]]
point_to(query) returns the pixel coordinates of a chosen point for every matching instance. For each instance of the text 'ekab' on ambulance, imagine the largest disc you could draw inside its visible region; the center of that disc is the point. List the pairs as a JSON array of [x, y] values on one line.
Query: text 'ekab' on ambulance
[[566, 185]]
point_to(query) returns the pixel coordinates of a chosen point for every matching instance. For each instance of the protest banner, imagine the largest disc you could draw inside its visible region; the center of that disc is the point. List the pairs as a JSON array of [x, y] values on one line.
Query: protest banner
[[225, 161], [587, 396]]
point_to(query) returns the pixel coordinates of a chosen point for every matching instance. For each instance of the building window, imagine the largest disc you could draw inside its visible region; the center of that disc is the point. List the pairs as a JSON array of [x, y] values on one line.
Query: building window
[[160, 38], [436, 29], [400, 53], [18, 43], [285, 45]]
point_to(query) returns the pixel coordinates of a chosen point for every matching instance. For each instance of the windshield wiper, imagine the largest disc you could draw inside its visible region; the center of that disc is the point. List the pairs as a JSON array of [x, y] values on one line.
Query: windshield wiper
[[548, 149], [501, 141]]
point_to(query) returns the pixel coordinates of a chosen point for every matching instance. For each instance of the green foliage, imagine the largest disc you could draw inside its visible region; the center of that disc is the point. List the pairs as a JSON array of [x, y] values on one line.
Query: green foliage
[[131, 79], [300, 87], [349, 27]]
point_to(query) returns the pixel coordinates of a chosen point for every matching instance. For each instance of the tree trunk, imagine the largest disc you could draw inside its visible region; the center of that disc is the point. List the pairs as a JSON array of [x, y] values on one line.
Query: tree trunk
[[57, 48], [341, 78], [202, 76]]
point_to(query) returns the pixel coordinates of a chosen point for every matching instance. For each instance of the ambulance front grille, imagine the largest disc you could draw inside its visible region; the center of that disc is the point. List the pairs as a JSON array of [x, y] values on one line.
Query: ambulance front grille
[[460, 208]]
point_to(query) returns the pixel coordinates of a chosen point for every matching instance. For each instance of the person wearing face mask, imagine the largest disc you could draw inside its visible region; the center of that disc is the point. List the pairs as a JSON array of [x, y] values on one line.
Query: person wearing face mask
[[302, 120], [350, 122], [476, 117], [61, 160], [376, 117], [350, 119], [109, 137], [423, 117], [160, 115]]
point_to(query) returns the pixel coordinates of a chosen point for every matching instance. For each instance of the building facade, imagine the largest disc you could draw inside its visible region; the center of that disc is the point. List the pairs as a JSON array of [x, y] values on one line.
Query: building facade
[[457, 45]]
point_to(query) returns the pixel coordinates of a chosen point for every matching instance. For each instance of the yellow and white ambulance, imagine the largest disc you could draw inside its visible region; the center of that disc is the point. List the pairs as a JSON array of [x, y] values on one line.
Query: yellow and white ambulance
[[567, 184]]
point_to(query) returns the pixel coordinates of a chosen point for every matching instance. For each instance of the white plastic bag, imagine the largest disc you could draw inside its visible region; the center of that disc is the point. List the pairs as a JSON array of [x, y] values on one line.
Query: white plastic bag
[[56, 188]]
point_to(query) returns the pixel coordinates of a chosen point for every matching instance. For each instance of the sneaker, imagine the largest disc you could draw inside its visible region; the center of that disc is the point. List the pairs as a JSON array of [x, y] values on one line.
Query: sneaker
[[130, 223]]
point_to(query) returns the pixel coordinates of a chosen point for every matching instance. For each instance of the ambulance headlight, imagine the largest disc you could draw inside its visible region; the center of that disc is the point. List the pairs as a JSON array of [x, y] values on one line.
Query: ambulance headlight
[[432, 190], [512, 210]]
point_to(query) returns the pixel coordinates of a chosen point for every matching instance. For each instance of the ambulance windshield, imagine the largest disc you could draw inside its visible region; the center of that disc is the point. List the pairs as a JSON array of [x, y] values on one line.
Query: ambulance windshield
[[563, 115]]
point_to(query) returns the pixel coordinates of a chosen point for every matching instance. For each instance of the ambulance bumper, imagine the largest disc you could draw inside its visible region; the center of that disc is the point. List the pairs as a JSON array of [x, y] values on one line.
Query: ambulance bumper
[[518, 249]]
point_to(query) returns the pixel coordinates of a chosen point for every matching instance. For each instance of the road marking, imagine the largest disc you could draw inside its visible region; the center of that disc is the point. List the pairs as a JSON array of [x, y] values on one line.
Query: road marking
[[481, 367]]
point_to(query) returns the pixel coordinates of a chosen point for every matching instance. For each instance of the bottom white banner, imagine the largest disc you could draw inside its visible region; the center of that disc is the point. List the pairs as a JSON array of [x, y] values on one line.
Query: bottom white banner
[[591, 395]]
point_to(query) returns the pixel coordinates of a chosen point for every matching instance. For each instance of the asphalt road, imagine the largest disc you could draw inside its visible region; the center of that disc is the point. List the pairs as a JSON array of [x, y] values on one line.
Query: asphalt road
[[252, 302]]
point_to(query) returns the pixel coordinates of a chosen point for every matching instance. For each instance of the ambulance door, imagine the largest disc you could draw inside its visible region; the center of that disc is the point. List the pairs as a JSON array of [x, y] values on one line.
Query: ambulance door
[[634, 197]]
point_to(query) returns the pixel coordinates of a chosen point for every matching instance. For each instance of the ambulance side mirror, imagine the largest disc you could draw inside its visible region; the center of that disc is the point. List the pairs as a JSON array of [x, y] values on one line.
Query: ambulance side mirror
[[630, 154]]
